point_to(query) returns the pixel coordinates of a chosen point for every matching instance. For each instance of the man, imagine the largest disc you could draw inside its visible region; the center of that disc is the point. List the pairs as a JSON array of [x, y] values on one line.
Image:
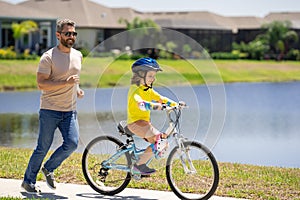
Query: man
[[58, 79]]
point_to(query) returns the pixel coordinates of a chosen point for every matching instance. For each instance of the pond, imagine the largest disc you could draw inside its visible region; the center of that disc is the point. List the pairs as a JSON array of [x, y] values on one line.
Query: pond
[[254, 123]]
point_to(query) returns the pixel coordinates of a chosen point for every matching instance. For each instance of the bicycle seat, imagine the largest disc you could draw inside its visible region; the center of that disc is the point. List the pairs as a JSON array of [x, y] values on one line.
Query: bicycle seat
[[123, 129]]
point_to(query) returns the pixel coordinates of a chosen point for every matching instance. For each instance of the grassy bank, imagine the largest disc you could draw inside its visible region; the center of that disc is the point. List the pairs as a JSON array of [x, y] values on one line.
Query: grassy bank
[[236, 180], [101, 72]]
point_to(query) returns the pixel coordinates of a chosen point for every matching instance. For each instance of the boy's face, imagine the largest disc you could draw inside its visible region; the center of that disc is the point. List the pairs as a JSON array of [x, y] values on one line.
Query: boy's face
[[150, 77]]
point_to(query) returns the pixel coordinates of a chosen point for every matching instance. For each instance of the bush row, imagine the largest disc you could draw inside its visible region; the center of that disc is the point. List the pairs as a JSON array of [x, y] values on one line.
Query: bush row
[[10, 54], [293, 54]]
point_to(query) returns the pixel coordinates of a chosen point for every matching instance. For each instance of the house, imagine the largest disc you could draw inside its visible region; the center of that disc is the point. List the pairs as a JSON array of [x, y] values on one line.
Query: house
[[96, 23], [10, 13]]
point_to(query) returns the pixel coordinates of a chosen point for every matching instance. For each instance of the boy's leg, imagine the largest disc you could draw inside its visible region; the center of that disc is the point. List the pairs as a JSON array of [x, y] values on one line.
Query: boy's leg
[[144, 130], [145, 156]]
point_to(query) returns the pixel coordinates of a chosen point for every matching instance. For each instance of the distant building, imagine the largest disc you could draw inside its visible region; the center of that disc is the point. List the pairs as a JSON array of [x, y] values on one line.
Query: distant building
[[96, 23]]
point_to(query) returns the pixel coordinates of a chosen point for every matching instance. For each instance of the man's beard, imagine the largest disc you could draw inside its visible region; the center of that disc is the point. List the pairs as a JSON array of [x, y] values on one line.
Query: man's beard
[[68, 42]]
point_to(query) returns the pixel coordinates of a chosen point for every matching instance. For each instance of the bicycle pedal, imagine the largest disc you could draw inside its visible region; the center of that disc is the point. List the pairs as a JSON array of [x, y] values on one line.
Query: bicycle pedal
[[137, 177], [145, 175]]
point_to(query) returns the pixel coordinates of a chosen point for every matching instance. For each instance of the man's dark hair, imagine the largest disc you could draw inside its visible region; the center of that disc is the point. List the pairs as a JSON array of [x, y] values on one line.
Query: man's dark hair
[[61, 23]]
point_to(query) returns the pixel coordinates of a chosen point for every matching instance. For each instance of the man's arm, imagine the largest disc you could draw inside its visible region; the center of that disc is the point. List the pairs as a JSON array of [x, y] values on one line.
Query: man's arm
[[44, 83]]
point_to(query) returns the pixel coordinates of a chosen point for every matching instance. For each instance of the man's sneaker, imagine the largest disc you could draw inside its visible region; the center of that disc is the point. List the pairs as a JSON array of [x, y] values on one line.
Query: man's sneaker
[[30, 188], [49, 176], [143, 169]]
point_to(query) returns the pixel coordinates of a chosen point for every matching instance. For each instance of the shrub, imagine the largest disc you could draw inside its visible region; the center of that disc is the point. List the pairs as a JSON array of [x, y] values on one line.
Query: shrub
[[130, 56], [85, 52], [293, 54], [26, 55], [224, 56], [8, 53], [255, 49], [241, 55], [137, 56], [124, 57], [196, 55]]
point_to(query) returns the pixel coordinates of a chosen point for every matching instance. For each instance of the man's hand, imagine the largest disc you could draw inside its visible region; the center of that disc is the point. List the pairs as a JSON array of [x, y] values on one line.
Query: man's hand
[[80, 93], [74, 79]]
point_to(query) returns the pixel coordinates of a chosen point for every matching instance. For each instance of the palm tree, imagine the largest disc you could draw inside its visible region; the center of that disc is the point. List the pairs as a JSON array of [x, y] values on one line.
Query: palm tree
[[140, 25], [279, 37], [21, 29], [139, 28]]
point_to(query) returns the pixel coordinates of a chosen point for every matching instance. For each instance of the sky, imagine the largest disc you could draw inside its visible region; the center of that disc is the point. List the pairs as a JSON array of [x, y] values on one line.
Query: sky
[[258, 8]]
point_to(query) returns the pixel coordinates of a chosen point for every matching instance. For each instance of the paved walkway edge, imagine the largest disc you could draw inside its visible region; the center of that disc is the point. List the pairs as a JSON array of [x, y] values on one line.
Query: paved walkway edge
[[12, 188]]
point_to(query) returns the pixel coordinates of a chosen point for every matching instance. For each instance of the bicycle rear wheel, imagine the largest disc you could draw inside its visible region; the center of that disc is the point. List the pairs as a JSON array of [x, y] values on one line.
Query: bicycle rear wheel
[[107, 181], [197, 179]]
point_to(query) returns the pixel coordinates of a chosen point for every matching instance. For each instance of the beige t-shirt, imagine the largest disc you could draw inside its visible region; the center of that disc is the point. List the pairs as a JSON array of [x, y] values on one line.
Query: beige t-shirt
[[60, 66]]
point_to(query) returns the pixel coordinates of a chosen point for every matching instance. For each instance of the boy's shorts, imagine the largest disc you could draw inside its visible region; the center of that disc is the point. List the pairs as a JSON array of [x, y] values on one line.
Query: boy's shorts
[[143, 129]]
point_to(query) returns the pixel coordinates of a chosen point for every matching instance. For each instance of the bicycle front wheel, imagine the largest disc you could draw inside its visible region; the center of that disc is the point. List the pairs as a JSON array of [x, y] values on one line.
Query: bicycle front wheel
[[192, 171], [112, 178]]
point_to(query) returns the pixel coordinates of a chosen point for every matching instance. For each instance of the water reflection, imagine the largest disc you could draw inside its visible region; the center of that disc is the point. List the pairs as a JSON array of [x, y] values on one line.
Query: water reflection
[[18, 130], [21, 130]]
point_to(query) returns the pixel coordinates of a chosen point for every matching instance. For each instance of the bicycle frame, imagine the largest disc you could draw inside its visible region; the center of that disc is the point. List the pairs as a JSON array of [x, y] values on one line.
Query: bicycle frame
[[130, 147], [111, 175], [110, 163], [180, 141]]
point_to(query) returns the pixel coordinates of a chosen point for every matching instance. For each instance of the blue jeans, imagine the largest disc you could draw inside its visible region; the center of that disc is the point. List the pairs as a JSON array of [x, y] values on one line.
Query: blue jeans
[[49, 121]]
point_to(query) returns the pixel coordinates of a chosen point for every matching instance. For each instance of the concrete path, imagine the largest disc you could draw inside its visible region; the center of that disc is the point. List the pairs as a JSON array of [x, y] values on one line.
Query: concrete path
[[12, 188]]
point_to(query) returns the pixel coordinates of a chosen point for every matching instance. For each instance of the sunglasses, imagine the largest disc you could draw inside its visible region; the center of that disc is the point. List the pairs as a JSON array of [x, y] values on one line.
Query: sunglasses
[[68, 34]]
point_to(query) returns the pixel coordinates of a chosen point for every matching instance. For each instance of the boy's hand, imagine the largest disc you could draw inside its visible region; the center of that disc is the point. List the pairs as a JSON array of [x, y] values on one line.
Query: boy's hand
[[157, 106], [182, 103]]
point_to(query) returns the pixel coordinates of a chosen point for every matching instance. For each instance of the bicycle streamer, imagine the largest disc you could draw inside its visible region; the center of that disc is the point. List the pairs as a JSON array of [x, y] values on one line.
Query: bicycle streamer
[[160, 146]]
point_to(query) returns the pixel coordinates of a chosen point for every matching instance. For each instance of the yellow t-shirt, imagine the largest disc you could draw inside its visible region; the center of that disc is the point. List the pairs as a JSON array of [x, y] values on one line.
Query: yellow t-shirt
[[134, 113]]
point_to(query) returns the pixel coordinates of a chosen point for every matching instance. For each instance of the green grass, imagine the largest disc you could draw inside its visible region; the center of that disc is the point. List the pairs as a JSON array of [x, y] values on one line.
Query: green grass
[[236, 180], [105, 72]]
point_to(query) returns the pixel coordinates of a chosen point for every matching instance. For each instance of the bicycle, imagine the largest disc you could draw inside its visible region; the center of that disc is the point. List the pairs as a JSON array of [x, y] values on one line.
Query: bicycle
[[191, 169]]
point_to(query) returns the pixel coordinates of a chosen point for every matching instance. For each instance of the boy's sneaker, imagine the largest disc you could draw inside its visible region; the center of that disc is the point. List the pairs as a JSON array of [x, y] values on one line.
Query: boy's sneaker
[[30, 188], [143, 169], [49, 176]]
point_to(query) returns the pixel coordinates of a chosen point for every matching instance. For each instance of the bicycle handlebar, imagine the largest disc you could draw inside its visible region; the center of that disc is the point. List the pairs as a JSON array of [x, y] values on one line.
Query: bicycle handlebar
[[180, 105]]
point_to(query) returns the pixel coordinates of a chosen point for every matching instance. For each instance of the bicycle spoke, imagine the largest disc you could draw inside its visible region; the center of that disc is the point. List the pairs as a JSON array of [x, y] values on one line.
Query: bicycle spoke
[[112, 177]]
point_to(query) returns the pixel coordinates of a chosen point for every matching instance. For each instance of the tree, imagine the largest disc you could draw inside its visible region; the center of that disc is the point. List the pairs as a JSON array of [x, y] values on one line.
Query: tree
[[167, 50], [21, 29], [139, 24], [257, 49], [139, 28], [279, 37], [186, 50], [275, 42]]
